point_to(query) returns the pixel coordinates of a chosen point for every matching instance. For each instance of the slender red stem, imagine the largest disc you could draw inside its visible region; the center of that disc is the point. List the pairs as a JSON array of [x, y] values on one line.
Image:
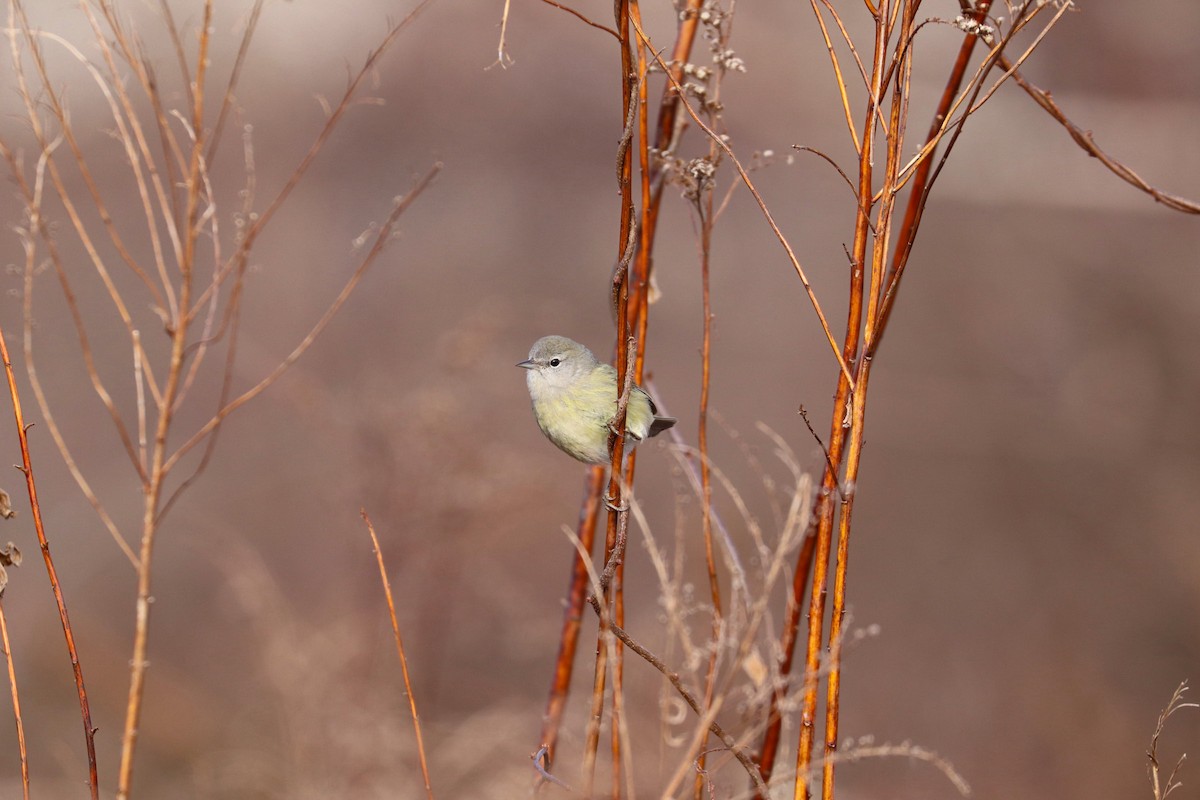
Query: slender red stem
[[89, 732]]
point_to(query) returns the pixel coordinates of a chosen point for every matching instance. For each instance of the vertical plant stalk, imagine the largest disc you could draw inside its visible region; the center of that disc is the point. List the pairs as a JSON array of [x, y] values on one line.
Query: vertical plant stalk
[[830, 482], [897, 123], [616, 439], [89, 732], [758, 199], [704, 211], [408, 690], [787, 646], [666, 131], [839, 426], [596, 711], [16, 700], [882, 289], [184, 208], [636, 317], [843, 355], [706, 219], [139, 662], [568, 642], [919, 190]]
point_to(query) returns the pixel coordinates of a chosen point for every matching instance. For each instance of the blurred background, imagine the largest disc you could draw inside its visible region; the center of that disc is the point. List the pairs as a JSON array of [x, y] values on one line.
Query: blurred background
[[1026, 526]]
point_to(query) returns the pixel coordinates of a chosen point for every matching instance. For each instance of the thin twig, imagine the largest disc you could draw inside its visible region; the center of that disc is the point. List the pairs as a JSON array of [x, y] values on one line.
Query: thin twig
[[89, 733], [541, 763], [824, 450], [831, 163], [1084, 139], [173, 158], [575, 13], [54, 100], [921, 183], [761, 204], [40, 227], [837, 74], [139, 661], [846, 387], [595, 600], [34, 380], [502, 58], [703, 205], [556, 702], [381, 239], [16, 700], [330, 124], [1161, 788], [235, 73], [673, 678], [412, 700]]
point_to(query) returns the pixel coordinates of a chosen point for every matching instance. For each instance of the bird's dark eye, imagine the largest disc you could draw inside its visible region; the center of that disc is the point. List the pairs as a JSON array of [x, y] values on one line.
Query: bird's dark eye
[[554, 362]]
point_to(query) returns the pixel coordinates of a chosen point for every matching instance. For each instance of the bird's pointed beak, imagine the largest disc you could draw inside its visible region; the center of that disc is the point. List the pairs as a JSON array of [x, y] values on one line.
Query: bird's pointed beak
[[527, 364]]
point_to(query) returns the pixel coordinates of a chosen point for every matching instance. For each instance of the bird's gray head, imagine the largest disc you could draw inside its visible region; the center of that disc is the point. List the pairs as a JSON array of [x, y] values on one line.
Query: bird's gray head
[[555, 363]]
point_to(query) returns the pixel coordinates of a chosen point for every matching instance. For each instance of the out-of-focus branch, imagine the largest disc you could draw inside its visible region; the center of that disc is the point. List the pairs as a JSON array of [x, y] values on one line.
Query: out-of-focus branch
[[16, 697], [382, 236], [408, 690]]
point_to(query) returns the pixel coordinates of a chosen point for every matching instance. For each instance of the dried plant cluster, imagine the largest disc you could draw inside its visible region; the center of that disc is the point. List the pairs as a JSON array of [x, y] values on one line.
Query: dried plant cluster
[[759, 665], [748, 662], [175, 278]]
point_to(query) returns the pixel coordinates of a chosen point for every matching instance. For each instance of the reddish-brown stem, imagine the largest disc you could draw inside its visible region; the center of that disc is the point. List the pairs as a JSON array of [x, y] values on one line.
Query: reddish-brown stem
[[837, 74], [821, 538], [616, 440], [636, 308], [582, 18], [1083, 138], [762, 205], [412, 702], [637, 103], [139, 661], [787, 646], [920, 182], [667, 133], [16, 699], [825, 506], [895, 126], [704, 211], [617, 593], [89, 733], [572, 615], [592, 742]]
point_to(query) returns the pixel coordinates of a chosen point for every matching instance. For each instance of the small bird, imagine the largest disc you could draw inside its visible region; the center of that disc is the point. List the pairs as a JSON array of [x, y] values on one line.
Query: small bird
[[575, 399]]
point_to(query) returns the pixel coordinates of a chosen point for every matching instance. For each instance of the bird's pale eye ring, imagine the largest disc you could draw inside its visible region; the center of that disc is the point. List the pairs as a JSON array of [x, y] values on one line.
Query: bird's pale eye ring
[[554, 362]]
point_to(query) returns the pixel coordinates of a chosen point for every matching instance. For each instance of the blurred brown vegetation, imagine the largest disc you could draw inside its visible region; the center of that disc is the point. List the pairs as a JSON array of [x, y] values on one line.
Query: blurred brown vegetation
[[1027, 518]]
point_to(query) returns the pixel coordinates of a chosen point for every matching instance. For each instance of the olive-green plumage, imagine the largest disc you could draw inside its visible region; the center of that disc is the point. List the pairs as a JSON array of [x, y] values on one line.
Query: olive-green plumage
[[575, 398]]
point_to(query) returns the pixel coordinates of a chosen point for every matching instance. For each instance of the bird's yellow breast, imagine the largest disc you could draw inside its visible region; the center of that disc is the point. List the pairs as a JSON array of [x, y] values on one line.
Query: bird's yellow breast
[[576, 418]]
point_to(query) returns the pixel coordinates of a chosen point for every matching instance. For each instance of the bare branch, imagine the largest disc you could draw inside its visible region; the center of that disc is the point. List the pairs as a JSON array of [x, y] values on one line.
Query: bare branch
[[1084, 139], [385, 232]]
